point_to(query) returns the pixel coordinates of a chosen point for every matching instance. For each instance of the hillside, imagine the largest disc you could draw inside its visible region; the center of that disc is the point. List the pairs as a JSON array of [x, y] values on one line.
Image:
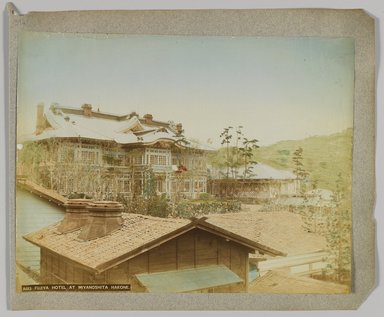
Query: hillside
[[324, 157]]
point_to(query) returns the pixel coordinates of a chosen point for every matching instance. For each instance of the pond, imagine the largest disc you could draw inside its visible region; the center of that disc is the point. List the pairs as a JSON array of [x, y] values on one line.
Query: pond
[[32, 214]]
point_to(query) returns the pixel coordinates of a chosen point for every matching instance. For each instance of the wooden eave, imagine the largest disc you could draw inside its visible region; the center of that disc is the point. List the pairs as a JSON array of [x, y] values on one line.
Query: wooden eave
[[252, 245], [76, 263]]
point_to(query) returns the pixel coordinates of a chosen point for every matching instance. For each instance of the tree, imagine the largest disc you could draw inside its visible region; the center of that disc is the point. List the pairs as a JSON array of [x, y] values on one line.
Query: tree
[[226, 137], [339, 233], [246, 155], [299, 171], [239, 152]]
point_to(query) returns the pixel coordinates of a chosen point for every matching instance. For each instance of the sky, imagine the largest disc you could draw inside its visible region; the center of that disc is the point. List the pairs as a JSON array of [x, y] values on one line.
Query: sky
[[276, 88]]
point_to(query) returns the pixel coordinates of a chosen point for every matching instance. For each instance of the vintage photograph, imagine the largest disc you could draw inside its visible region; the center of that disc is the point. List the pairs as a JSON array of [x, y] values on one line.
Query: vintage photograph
[[184, 164]]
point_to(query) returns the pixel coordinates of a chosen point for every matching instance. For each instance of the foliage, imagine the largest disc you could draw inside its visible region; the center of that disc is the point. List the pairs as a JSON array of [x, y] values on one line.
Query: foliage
[[187, 208], [299, 171], [149, 189], [50, 163], [297, 159], [325, 157], [111, 160], [160, 206], [137, 205], [226, 137], [205, 196], [339, 233], [246, 155], [239, 152], [156, 206]]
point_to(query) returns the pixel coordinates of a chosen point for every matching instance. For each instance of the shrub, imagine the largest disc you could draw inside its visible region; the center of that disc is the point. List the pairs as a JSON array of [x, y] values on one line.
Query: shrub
[[187, 209], [156, 206], [205, 196]]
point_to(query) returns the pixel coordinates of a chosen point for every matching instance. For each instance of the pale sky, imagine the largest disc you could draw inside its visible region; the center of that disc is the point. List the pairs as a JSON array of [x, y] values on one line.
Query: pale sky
[[277, 88]]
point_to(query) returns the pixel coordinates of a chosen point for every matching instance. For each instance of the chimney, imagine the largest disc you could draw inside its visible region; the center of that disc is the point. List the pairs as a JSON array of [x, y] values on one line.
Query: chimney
[[148, 118], [104, 217], [87, 109], [40, 119], [179, 128], [133, 114], [76, 215]]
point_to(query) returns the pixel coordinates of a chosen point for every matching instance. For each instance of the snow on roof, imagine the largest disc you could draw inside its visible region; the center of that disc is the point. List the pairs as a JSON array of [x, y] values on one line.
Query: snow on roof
[[263, 171], [66, 122], [259, 171]]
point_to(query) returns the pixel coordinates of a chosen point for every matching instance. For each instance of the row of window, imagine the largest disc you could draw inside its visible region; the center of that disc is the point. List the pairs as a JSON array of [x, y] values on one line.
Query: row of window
[[157, 157]]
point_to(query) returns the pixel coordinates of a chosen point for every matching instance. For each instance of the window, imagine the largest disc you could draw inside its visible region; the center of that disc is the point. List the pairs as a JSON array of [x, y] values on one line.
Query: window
[[90, 157], [157, 160], [121, 159], [123, 185], [160, 186], [158, 157], [66, 154], [186, 186], [136, 159], [88, 154]]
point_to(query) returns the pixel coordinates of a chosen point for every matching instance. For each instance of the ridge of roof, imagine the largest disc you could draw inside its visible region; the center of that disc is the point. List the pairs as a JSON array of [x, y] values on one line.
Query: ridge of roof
[[71, 123], [98, 114], [109, 115]]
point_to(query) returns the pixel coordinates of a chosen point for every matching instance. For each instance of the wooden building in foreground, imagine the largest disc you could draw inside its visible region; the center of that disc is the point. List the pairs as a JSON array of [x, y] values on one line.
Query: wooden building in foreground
[[112, 247]]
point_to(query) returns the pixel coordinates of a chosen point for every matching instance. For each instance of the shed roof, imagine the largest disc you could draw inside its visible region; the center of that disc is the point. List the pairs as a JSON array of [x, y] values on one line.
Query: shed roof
[[188, 280], [138, 234]]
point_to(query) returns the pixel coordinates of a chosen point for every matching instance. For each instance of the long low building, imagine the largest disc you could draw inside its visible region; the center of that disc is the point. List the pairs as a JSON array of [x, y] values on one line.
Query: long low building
[[264, 184]]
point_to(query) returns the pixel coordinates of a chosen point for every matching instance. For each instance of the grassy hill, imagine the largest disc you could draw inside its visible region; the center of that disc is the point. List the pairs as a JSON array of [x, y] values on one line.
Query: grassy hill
[[324, 157]]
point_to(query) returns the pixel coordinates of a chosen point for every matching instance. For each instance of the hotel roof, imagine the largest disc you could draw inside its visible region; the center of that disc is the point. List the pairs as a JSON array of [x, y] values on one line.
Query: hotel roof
[[130, 129]]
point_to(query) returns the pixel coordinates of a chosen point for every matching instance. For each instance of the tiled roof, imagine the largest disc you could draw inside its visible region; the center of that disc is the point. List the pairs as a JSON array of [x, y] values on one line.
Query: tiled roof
[[280, 230], [137, 230], [138, 234], [284, 283], [273, 233]]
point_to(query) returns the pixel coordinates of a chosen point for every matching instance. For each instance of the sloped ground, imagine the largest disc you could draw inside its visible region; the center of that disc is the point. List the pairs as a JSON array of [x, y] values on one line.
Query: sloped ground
[[275, 282]]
